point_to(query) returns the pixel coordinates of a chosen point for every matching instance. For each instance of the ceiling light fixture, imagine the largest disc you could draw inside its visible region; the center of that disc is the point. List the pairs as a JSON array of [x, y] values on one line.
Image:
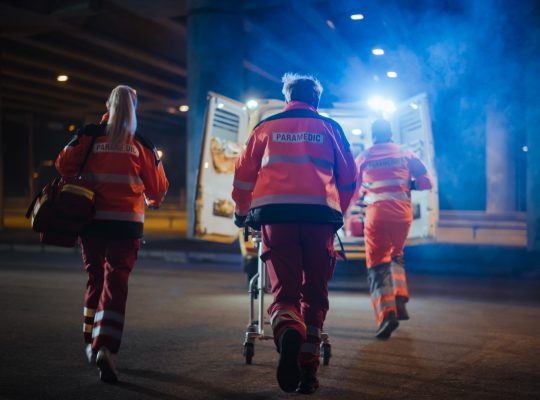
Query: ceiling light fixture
[[377, 51], [62, 78], [357, 17]]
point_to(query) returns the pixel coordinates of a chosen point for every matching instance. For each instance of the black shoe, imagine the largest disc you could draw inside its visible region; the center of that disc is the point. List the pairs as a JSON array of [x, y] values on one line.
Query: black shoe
[[288, 370], [402, 314], [107, 372], [388, 325], [308, 381]]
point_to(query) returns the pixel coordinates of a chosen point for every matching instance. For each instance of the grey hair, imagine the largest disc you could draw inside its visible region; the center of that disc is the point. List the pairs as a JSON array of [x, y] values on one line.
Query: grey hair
[[292, 81]]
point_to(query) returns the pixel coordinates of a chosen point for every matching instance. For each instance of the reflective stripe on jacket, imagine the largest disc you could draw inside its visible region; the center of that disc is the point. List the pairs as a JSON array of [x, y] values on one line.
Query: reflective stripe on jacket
[[122, 175], [296, 157], [385, 174]]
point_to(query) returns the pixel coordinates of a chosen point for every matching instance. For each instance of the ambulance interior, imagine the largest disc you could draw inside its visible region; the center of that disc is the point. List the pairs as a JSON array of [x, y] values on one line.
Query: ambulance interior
[[227, 128]]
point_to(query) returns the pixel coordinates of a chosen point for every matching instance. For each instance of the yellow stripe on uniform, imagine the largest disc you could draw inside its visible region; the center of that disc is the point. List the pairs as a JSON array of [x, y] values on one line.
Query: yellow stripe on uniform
[[89, 312]]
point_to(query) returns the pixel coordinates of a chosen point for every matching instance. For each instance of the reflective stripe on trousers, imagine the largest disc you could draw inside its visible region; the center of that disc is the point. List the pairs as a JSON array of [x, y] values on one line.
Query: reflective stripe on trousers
[[283, 316], [312, 344], [399, 278], [382, 291]]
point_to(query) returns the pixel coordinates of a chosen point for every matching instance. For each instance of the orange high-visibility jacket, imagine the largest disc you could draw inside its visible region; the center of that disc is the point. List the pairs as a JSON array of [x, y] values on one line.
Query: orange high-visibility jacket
[[385, 175], [121, 176], [297, 167]]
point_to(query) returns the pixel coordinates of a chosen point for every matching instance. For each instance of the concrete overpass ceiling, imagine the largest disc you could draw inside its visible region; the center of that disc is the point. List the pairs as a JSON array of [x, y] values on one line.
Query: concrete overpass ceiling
[[100, 43]]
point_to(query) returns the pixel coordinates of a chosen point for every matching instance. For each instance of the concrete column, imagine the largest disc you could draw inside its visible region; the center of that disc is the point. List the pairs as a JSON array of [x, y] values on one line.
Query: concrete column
[[215, 63], [533, 130], [500, 163]]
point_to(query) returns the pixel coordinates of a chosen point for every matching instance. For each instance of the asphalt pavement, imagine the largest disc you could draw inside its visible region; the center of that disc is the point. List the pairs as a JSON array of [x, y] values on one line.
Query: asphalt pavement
[[469, 337]]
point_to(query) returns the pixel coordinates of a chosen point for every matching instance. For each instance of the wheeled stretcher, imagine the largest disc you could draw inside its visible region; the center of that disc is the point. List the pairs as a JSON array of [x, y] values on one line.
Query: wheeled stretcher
[[259, 285]]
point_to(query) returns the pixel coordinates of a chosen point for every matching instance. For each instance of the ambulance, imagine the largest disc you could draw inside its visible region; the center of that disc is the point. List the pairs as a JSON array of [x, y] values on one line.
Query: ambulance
[[228, 124]]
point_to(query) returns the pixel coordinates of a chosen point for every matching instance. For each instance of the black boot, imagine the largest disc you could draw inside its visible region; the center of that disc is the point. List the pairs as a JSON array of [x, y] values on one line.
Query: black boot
[[389, 324], [402, 314], [308, 380], [288, 370]]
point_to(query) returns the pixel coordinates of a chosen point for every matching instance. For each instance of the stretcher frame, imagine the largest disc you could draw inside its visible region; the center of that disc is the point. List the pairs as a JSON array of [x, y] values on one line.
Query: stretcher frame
[[259, 285]]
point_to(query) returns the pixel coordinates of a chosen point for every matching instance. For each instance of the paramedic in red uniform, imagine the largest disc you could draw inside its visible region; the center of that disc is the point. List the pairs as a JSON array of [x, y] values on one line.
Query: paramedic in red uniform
[[294, 181], [124, 170], [387, 173]]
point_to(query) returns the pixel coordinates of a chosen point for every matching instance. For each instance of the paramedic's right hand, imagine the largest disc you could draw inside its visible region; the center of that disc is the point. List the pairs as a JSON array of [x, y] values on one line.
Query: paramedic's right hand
[[239, 220]]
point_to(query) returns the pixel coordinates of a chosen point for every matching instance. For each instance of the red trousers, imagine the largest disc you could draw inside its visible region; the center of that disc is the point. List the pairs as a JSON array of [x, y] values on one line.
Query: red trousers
[[384, 258], [108, 263], [300, 259]]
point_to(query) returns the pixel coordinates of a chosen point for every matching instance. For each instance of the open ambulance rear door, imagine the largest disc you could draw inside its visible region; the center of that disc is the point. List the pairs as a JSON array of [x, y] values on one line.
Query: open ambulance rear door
[[411, 125], [225, 133]]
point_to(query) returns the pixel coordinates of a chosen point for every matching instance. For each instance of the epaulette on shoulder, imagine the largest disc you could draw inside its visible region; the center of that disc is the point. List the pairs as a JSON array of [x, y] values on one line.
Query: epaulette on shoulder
[[149, 145]]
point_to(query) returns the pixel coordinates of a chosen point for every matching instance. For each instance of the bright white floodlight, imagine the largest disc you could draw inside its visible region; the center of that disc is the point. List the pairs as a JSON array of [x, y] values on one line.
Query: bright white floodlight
[[252, 104]]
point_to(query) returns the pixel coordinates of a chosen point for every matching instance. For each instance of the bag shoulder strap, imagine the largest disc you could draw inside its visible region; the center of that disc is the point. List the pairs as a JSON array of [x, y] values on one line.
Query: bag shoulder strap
[[87, 154]]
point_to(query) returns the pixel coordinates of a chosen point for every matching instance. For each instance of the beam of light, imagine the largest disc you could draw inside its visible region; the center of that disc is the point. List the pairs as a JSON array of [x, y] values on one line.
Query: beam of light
[[391, 74], [183, 108], [252, 104], [377, 51], [377, 103], [62, 78], [357, 17]]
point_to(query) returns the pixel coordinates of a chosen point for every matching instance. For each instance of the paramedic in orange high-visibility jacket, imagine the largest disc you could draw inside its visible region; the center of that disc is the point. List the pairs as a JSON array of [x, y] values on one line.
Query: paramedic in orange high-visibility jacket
[[124, 170], [387, 173], [294, 181]]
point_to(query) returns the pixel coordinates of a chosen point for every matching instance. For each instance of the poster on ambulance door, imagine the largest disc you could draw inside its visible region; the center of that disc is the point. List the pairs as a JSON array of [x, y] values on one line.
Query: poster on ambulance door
[[225, 133]]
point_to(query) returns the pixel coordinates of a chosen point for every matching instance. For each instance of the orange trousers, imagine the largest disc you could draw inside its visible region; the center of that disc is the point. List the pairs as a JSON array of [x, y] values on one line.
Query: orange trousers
[[386, 270]]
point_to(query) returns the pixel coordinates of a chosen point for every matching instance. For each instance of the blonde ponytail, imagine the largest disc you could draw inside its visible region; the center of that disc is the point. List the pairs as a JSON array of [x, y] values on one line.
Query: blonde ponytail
[[122, 122]]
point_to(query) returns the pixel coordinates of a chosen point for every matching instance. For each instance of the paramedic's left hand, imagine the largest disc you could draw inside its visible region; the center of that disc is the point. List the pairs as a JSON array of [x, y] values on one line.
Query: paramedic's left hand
[[239, 220]]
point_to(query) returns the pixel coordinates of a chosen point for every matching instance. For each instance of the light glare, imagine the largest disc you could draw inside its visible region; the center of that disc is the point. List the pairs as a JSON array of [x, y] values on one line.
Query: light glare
[[377, 103], [391, 74], [377, 52], [183, 108], [62, 78], [357, 17], [525, 148], [252, 104], [356, 131], [160, 153]]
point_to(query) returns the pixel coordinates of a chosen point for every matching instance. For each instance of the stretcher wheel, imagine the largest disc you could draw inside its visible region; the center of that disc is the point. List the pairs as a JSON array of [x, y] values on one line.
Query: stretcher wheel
[[249, 351], [326, 353]]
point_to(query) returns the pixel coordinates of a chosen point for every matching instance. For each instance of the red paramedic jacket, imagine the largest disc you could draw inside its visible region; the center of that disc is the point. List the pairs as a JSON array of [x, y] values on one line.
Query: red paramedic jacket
[[385, 175], [122, 177], [297, 167]]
